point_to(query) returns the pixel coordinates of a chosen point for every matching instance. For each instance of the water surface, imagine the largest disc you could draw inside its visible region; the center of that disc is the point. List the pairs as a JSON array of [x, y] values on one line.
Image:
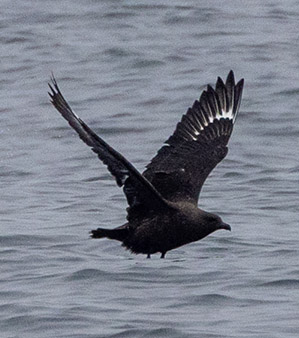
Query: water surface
[[130, 70]]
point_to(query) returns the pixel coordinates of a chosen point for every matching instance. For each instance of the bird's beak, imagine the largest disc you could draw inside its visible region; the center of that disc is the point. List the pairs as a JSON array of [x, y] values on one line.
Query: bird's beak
[[225, 226]]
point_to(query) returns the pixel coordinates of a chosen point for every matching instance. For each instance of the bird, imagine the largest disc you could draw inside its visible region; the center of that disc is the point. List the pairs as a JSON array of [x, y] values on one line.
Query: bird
[[163, 212]]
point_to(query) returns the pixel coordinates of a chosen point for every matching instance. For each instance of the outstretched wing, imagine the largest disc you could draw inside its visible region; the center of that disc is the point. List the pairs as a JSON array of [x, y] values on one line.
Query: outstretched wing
[[140, 193], [198, 144]]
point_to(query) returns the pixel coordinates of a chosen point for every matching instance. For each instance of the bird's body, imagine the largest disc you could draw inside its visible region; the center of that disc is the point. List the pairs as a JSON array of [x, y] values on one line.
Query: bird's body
[[163, 213], [181, 224]]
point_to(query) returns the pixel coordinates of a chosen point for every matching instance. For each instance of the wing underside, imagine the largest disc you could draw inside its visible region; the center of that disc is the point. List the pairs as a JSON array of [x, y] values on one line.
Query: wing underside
[[198, 144]]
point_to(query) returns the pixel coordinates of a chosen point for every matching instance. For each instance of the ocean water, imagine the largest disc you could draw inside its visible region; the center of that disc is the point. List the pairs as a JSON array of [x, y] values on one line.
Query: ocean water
[[130, 70]]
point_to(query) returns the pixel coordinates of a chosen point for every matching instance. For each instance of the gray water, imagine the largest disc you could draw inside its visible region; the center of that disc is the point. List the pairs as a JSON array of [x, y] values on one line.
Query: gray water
[[130, 70]]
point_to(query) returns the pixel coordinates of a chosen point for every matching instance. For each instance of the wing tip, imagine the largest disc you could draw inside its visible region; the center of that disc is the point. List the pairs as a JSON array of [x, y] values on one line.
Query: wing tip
[[215, 104], [229, 94], [230, 80], [53, 88], [241, 83], [58, 101]]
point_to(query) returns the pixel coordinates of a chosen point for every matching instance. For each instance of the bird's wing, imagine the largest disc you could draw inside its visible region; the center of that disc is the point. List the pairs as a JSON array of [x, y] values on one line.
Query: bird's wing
[[198, 144], [142, 197]]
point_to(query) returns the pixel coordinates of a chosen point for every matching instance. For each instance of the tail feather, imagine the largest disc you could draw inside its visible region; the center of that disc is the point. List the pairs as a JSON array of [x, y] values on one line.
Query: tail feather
[[118, 234]]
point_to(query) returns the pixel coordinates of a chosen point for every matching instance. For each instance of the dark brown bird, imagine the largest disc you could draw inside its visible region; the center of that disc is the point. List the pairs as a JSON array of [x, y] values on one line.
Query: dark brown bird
[[163, 213]]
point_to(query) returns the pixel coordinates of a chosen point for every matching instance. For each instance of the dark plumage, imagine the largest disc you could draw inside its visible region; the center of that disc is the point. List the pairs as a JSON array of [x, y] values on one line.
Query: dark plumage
[[163, 212]]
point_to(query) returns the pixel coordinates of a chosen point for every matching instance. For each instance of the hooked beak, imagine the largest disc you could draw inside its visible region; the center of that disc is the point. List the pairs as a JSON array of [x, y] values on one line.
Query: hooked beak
[[225, 226]]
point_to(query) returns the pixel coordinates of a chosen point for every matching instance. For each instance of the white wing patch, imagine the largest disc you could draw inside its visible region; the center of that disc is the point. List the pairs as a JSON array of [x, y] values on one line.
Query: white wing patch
[[201, 125], [226, 115], [213, 106]]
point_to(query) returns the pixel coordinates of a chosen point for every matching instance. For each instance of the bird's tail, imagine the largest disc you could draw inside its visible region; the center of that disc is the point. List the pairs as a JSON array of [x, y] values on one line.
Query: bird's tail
[[118, 234]]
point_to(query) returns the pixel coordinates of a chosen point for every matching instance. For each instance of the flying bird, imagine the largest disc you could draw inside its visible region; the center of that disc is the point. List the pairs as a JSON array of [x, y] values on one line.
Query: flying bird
[[163, 214]]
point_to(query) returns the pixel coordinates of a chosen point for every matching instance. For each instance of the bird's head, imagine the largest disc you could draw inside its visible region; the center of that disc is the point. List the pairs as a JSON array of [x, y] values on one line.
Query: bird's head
[[215, 222]]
